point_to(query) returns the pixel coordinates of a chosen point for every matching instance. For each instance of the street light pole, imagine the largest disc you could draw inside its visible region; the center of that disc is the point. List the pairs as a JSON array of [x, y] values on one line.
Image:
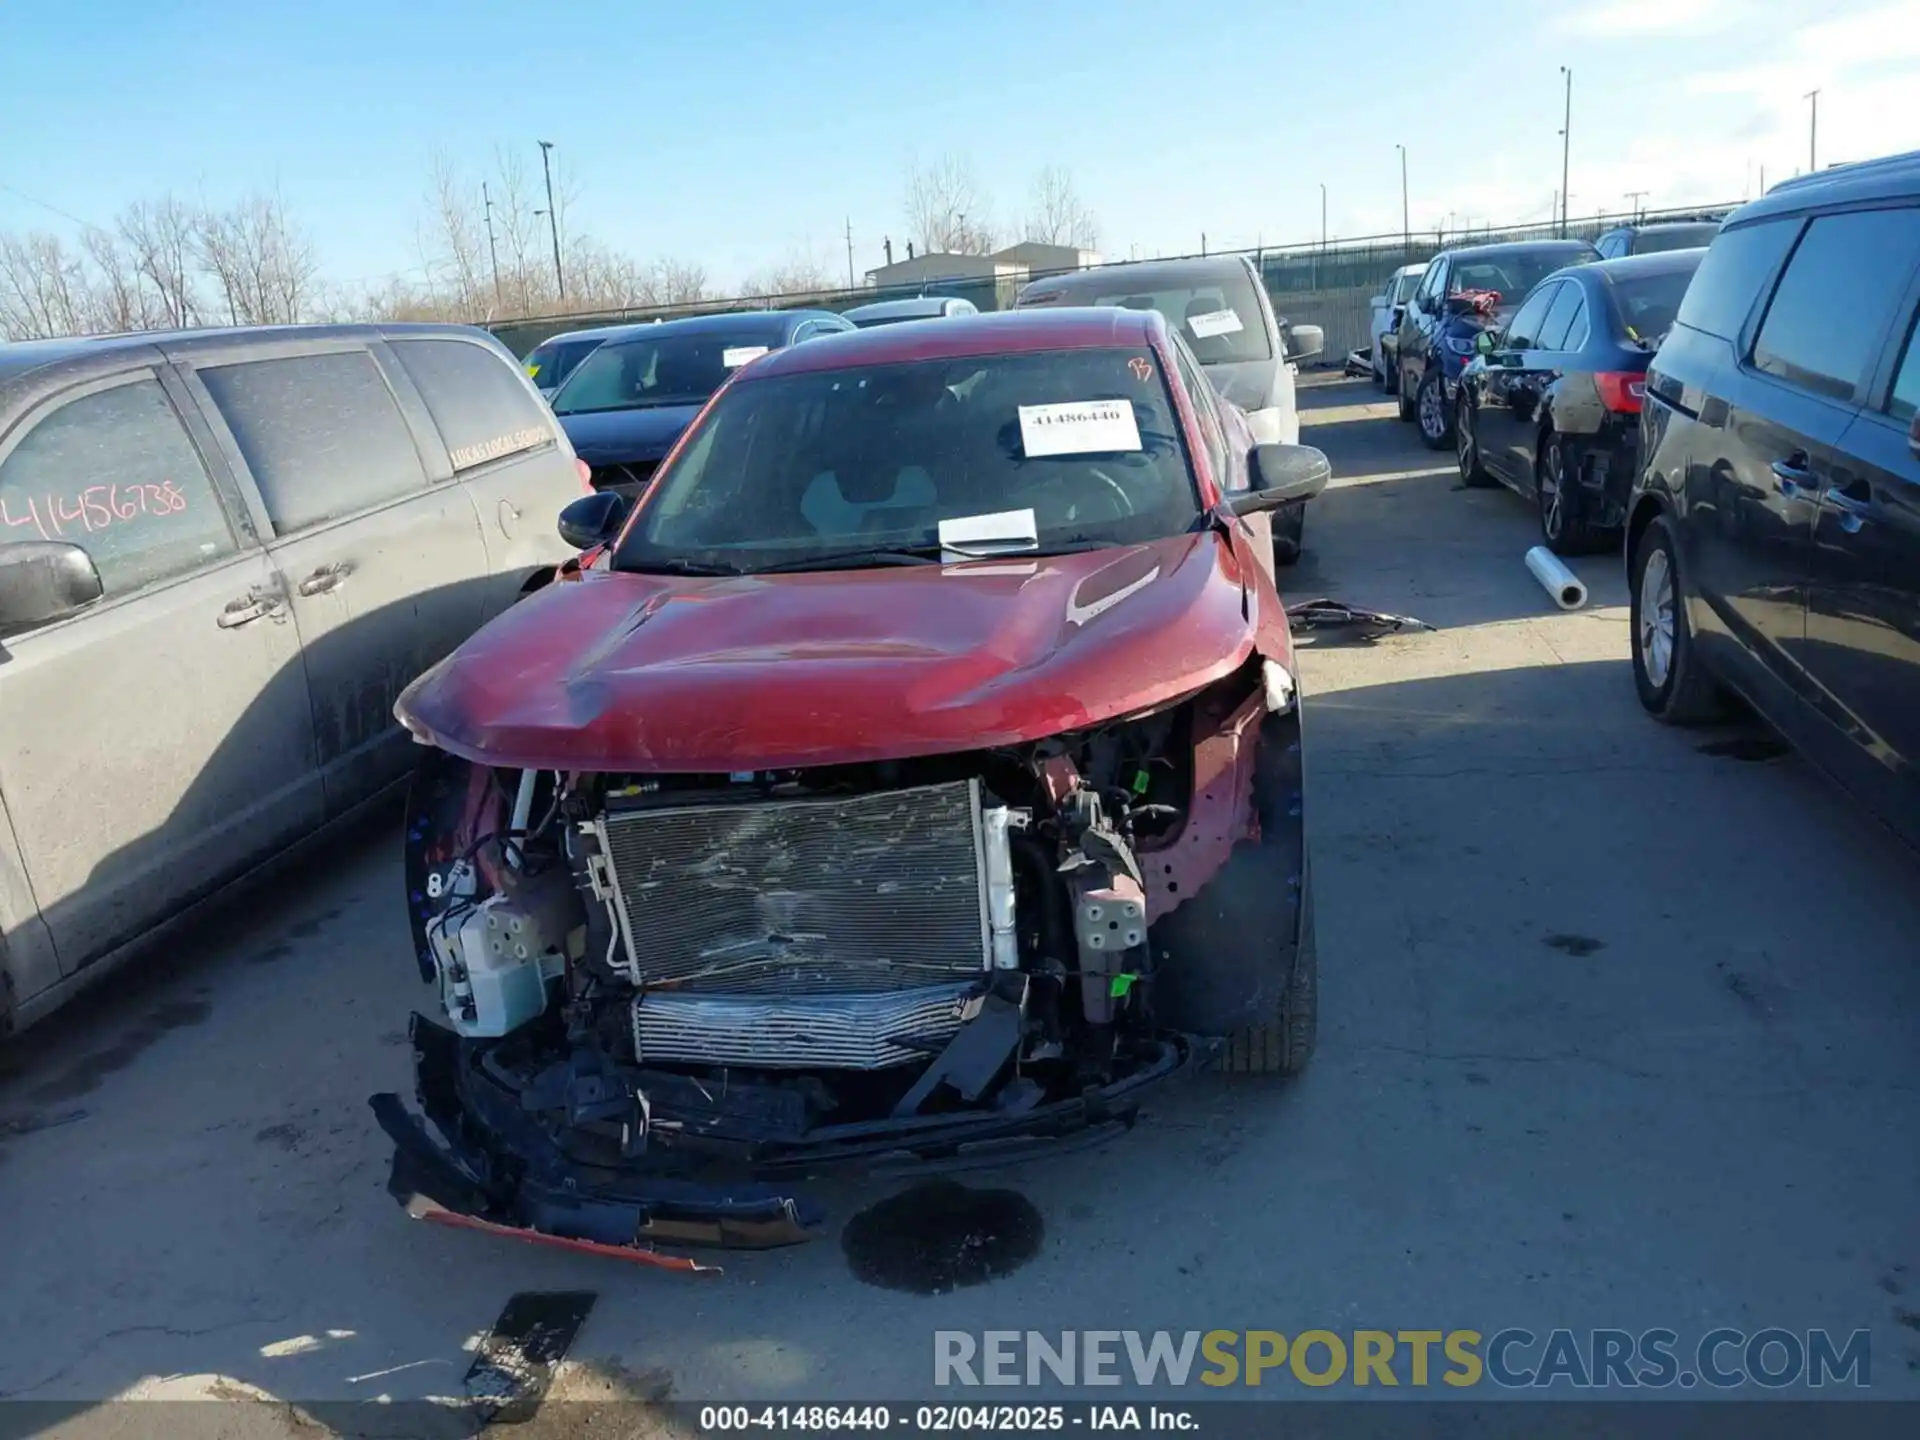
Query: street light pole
[[1323, 215], [1813, 132], [1406, 222], [553, 217], [1566, 146], [492, 250]]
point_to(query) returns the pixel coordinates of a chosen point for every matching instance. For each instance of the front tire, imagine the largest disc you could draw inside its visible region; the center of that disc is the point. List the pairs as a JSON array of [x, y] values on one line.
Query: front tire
[[1285, 1044], [1289, 535], [1400, 391], [1430, 405], [1667, 674]]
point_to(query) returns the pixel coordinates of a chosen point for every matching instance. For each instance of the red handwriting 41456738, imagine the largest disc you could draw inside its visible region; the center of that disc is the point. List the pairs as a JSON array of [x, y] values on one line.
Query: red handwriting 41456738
[[96, 508]]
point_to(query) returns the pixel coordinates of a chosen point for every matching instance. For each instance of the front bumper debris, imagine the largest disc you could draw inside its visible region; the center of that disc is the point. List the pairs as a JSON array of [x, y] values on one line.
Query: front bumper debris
[[493, 1167]]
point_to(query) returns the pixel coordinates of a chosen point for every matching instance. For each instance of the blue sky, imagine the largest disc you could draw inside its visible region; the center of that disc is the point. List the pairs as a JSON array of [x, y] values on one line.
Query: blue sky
[[740, 132]]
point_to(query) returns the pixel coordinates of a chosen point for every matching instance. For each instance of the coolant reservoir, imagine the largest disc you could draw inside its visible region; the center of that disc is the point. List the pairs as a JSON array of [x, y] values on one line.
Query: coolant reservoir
[[494, 966]]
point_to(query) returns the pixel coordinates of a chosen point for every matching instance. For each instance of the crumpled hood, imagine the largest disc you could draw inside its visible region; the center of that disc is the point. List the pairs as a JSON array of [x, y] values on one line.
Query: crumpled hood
[[662, 673], [606, 437]]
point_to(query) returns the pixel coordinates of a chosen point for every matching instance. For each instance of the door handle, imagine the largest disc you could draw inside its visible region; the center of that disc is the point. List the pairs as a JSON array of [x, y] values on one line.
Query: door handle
[[245, 612], [326, 578], [1794, 476], [1853, 512]]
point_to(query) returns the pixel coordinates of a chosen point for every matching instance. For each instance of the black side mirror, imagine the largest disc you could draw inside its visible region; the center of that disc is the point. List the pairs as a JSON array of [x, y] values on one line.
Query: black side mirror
[[42, 581], [1282, 474], [593, 519]]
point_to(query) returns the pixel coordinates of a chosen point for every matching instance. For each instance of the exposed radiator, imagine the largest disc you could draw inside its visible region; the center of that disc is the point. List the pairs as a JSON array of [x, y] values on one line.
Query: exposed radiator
[[857, 1032], [835, 895]]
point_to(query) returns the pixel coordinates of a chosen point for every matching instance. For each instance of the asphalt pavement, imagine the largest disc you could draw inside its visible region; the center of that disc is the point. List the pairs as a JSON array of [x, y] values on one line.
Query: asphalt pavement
[[1620, 1028]]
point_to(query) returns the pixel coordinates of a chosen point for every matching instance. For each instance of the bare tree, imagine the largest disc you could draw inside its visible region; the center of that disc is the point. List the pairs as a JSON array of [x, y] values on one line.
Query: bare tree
[[1056, 214], [120, 298], [946, 211], [453, 244], [800, 273], [42, 288], [261, 261], [679, 282], [160, 239]]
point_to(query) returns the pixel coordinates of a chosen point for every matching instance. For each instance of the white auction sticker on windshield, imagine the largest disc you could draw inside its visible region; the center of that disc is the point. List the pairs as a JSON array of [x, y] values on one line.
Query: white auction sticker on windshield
[[1078, 427], [734, 356], [1214, 322], [1000, 530]]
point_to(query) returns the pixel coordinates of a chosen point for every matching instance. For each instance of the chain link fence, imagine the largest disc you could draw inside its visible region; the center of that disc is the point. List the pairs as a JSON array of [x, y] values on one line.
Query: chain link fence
[[1331, 286]]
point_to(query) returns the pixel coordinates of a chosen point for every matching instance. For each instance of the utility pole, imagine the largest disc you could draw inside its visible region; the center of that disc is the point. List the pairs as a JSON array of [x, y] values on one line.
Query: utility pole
[[1635, 197], [553, 218], [492, 251], [1566, 147], [1813, 131], [1323, 215], [1406, 223], [849, 252]]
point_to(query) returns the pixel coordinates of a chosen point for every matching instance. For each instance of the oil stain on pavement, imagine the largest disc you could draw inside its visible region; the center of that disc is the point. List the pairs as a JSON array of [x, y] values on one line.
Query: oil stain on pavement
[[85, 1075], [941, 1236]]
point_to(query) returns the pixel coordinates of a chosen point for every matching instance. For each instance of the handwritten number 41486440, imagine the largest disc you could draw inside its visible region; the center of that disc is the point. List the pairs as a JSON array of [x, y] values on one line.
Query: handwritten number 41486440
[[96, 508]]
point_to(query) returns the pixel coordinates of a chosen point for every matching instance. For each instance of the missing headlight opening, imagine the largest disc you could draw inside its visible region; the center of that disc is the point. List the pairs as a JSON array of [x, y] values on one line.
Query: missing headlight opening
[[661, 996]]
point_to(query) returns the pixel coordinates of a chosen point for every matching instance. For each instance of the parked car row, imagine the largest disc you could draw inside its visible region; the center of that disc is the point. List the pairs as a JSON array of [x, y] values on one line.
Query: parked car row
[[223, 555], [1736, 406]]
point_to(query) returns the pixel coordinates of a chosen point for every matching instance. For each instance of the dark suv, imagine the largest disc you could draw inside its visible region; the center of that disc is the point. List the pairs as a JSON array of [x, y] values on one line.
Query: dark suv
[[1462, 293], [1773, 541]]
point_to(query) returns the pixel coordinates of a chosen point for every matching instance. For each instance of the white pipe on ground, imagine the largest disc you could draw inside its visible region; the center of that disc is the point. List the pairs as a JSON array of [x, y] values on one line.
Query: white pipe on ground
[[1556, 579]]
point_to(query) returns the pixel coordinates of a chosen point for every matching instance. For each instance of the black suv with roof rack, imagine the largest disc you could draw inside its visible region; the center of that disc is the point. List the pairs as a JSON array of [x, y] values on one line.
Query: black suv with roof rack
[[1773, 535]]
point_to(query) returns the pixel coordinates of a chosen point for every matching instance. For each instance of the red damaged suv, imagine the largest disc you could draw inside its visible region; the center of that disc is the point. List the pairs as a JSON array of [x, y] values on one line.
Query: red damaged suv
[[913, 774]]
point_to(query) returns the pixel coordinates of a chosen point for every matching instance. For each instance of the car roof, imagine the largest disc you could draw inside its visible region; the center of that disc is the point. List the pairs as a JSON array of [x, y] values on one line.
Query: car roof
[[1517, 247], [997, 332], [1418, 269], [23, 356], [1146, 274], [1665, 225], [599, 332], [744, 323], [1890, 177], [916, 305], [1633, 267]]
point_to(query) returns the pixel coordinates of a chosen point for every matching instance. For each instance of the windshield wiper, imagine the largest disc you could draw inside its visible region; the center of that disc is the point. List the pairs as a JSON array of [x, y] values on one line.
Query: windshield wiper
[[927, 555], [853, 559], [673, 565]]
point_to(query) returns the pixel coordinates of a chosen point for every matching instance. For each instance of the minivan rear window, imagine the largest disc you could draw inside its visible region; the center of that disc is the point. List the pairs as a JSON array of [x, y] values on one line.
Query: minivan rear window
[[1823, 327], [481, 408], [1730, 278]]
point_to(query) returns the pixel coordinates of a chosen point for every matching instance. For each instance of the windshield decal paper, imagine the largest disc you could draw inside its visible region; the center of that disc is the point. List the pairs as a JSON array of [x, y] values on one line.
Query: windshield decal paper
[[1078, 427], [734, 356], [1004, 529], [1214, 322]]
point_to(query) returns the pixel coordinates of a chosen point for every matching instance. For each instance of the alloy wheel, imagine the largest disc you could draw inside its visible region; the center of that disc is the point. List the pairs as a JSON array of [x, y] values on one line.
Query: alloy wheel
[[1433, 418], [1656, 628], [1552, 492]]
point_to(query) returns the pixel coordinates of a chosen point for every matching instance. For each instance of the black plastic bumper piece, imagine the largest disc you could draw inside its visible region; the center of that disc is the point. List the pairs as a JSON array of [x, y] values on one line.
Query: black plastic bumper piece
[[496, 1164]]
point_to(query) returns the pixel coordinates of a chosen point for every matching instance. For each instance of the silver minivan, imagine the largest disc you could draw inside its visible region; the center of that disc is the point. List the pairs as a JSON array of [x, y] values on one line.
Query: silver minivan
[[222, 556]]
